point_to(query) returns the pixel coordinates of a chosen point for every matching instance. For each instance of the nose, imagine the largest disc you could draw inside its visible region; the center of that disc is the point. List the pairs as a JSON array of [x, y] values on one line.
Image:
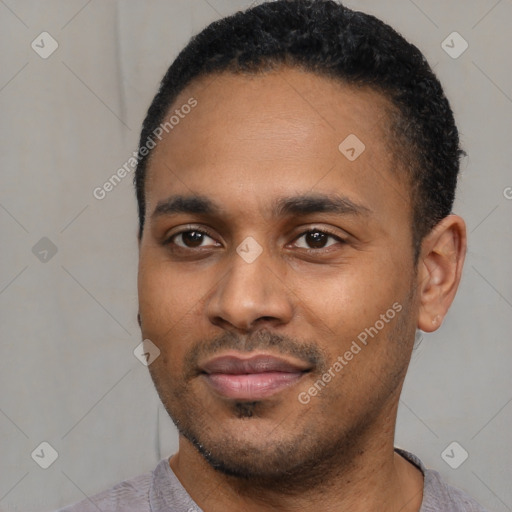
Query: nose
[[250, 294]]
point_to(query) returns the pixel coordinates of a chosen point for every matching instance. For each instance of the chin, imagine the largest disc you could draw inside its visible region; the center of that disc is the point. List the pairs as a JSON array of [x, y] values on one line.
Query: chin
[[249, 460], [265, 455]]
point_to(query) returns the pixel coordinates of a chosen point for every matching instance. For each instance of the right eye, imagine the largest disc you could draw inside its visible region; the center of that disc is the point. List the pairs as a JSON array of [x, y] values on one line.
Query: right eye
[[191, 239]]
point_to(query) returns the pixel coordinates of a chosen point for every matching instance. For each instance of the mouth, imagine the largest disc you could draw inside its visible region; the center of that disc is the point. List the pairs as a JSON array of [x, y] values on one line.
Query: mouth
[[251, 378]]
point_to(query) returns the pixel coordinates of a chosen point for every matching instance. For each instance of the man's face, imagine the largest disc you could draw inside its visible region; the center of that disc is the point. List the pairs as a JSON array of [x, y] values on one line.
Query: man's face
[[266, 257]]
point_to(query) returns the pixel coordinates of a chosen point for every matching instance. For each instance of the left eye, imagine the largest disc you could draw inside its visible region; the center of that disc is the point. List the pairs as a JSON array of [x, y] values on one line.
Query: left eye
[[191, 239], [316, 239]]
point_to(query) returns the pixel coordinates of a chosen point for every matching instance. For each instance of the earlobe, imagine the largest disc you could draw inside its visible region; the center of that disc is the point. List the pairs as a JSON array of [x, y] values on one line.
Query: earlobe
[[436, 321], [440, 270]]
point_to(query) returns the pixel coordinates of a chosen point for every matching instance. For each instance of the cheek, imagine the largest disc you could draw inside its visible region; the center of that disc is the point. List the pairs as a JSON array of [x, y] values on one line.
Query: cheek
[[168, 301], [345, 299]]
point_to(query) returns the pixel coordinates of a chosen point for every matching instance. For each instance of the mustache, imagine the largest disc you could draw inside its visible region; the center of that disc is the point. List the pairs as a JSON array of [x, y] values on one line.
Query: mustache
[[278, 344]]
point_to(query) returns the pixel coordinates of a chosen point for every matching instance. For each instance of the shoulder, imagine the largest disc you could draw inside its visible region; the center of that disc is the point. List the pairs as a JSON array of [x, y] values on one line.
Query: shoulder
[[439, 496], [129, 496]]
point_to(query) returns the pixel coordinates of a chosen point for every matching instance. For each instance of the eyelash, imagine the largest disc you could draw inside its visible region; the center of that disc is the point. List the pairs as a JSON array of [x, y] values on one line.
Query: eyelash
[[323, 231], [169, 240]]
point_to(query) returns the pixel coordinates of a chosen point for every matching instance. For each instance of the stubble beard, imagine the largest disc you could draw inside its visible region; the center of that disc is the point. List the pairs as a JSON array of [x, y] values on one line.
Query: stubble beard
[[292, 459]]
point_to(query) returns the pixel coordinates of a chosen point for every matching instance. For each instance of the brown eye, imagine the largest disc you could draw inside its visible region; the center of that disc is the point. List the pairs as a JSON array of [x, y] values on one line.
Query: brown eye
[[192, 239], [316, 239]]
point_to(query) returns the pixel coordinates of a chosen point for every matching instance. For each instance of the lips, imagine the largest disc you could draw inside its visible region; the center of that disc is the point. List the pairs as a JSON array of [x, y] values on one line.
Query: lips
[[252, 378]]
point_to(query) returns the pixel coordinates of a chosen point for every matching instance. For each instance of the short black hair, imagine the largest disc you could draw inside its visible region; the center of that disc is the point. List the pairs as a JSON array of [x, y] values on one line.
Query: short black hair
[[327, 38]]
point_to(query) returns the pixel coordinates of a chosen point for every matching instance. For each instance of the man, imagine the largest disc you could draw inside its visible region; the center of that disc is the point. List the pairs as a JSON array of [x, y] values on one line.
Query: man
[[296, 175]]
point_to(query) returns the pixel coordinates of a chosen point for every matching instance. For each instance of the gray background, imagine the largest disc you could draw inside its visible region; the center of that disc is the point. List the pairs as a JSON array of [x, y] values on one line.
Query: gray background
[[68, 323]]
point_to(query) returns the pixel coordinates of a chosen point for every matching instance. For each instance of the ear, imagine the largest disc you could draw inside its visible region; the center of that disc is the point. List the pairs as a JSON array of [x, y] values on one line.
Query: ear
[[439, 270]]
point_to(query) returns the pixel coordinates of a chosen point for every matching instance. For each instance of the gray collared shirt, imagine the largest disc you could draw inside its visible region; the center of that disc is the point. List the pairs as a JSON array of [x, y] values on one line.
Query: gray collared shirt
[[161, 491]]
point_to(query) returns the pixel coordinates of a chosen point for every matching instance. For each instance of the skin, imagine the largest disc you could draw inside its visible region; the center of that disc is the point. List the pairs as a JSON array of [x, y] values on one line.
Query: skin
[[250, 142]]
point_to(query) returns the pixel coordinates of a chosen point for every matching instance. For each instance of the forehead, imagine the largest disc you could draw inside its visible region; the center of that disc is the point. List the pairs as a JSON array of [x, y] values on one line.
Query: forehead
[[272, 133]]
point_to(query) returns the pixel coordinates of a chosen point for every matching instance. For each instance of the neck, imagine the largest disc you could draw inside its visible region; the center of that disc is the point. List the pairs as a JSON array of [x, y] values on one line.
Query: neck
[[366, 475]]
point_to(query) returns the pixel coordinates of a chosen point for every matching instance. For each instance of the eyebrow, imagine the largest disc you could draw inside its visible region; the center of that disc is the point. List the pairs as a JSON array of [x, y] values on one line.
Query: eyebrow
[[318, 203], [185, 204], [304, 204]]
